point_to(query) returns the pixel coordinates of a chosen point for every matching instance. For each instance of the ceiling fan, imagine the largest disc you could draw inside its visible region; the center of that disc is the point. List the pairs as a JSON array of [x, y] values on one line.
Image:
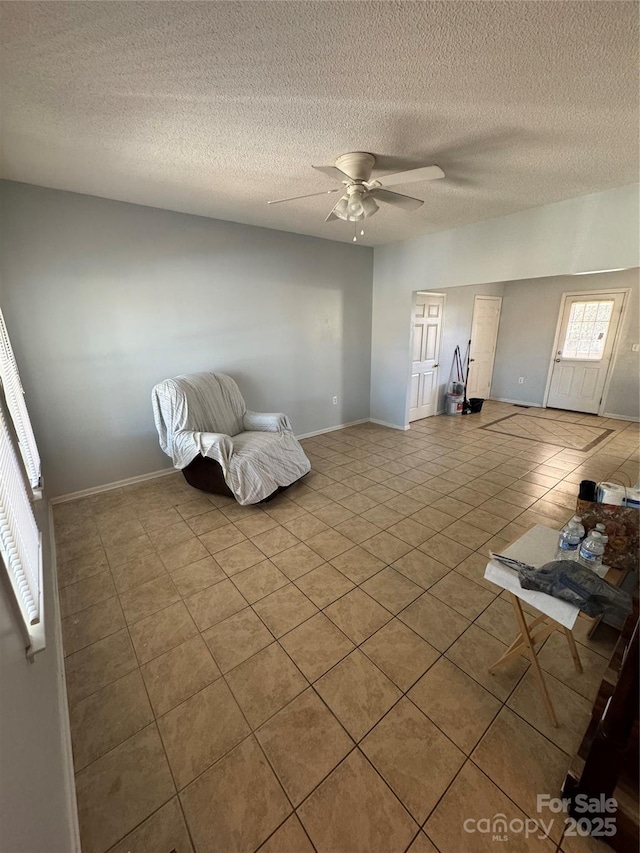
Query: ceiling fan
[[361, 193]]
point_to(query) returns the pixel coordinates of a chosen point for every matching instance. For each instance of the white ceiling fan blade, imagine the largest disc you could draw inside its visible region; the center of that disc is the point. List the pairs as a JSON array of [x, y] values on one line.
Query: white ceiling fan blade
[[333, 172], [309, 195], [425, 173], [406, 202]]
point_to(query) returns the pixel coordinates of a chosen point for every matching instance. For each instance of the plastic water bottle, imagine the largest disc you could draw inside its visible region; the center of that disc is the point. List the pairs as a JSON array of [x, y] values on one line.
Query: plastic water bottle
[[602, 530], [591, 551], [603, 569], [577, 520], [569, 542]]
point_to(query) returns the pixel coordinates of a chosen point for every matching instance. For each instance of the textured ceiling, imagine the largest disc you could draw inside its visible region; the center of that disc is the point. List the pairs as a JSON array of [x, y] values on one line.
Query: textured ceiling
[[213, 108]]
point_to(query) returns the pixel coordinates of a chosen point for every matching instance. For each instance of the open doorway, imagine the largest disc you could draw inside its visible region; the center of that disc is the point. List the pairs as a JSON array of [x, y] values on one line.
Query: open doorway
[[426, 336], [584, 348]]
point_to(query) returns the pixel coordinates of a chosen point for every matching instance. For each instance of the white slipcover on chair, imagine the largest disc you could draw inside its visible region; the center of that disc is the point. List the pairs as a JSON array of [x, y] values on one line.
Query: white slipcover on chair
[[204, 413]]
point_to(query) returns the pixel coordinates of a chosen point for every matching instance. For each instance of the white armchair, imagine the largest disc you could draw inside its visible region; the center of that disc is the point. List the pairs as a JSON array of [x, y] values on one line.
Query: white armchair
[[206, 429]]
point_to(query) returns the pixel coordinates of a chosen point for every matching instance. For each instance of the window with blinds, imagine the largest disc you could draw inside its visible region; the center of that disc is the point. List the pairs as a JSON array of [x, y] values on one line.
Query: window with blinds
[[14, 396], [20, 541]]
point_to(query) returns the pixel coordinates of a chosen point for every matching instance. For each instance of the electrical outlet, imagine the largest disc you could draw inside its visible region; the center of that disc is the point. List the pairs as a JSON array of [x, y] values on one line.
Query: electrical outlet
[[521, 380], [335, 401]]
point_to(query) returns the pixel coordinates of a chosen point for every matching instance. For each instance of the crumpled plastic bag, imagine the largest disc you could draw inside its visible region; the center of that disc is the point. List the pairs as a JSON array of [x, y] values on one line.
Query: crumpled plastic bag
[[574, 583]]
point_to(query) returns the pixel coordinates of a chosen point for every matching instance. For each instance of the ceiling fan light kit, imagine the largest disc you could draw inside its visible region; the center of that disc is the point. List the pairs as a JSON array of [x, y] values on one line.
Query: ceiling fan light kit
[[355, 205], [362, 193]]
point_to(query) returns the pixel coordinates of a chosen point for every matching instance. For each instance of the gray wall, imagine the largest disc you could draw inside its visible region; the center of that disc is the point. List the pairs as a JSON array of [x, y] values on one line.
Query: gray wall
[[527, 329], [104, 299], [594, 232], [37, 801]]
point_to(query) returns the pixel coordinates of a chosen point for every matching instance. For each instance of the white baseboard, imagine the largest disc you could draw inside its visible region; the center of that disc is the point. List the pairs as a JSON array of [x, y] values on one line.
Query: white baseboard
[[385, 424], [130, 481], [621, 418], [63, 707], [516, 402], [95, 490], [332, 429]]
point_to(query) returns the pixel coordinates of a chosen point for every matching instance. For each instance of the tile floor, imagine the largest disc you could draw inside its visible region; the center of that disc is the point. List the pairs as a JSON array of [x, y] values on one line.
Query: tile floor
[[311, 674]]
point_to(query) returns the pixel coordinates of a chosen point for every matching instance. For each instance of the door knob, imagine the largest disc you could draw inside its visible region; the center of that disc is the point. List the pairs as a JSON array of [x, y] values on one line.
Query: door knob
[[436, 365], [558, 359]]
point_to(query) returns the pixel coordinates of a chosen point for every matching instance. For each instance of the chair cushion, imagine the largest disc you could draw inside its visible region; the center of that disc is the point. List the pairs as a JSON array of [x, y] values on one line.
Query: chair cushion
[[263, 461], [214, 403]]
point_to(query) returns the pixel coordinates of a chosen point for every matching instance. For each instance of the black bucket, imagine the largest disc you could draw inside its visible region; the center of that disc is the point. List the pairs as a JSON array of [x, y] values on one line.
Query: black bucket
[[475, 405]]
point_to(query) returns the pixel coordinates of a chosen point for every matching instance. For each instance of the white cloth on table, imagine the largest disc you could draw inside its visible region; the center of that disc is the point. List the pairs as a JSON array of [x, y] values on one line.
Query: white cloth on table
[[536, 547]]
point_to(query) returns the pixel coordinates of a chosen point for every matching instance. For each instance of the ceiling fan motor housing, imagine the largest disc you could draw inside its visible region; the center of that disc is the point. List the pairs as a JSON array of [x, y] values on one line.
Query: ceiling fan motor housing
[[357, 165]]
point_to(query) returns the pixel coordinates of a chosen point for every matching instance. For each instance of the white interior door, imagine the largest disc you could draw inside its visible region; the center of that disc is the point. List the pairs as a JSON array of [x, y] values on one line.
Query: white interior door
[[484, 335], [427, 330], [588, 327]]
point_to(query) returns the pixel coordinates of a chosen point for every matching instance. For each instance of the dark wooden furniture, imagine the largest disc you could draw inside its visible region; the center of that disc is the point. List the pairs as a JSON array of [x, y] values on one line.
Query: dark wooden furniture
[[607, 760]]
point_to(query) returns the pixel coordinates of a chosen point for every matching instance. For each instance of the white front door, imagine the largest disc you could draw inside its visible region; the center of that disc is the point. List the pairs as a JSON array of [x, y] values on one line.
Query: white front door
[[427, 329], [585, 344], [484, 335]]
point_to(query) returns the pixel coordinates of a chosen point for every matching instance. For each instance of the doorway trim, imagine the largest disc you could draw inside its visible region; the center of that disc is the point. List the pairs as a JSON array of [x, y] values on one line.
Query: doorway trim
[[624, 291], [414, 293]]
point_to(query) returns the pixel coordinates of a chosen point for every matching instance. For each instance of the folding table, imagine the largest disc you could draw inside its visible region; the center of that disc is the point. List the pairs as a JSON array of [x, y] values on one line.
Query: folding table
[[536, 547]]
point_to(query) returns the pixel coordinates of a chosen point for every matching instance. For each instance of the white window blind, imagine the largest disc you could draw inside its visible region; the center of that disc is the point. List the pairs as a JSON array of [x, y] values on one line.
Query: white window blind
[[19, 535], [17, 408]]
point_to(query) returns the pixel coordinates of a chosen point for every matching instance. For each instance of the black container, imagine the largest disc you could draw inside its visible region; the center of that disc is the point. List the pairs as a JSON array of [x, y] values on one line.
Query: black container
[[588, 491], [475, 405]]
